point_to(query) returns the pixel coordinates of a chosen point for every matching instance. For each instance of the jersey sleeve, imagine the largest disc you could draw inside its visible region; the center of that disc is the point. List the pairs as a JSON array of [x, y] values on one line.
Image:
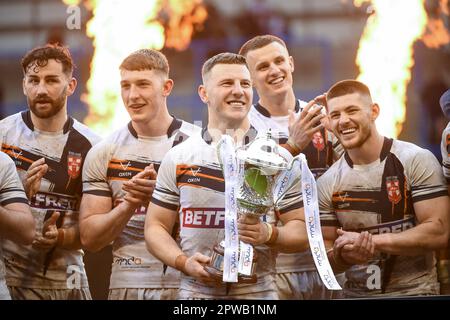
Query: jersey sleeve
[[328, 217], [445, 151], [11, 188], [425, 174], [95, 170], [166, 193]]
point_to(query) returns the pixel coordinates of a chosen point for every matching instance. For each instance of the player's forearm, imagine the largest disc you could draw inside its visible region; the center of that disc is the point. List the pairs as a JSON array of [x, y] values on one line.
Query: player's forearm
[[421, 239], [17, 225], [292, 237], [99, 230], [161, 244]]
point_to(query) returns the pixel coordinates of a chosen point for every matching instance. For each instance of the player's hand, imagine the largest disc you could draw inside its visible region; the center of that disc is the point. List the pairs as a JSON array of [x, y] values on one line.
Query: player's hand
[[34, 176], [49, 236], [354, 247], [194, 267], [252, 230], [302, 129], [139, 189]]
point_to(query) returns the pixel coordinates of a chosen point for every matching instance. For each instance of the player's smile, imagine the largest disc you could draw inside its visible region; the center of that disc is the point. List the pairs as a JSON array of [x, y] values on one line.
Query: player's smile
[[276, 81], [236, 104], [136, 106]]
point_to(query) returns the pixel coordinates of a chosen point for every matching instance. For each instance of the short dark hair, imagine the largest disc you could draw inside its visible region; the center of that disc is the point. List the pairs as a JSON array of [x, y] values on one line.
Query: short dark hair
[[348, 86], [146, 59], [259, 42], [38, 58], [223, 58]]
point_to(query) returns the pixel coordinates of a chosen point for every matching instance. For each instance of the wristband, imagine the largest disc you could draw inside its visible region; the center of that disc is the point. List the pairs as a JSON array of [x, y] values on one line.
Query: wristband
[[269, 231], [180, 262], [293, 146], [274, 236]]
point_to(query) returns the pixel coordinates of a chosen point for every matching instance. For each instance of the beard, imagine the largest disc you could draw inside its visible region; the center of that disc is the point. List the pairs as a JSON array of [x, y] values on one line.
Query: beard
[[365, 134], [55, 105]]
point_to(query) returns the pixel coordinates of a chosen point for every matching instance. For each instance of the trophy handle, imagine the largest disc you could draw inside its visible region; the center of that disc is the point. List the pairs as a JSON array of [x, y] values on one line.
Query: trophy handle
[[286, 179], [291, 164]]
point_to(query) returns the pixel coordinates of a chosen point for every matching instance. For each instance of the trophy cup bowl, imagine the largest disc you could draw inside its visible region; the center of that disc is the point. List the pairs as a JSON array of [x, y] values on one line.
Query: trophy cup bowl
[[261, 163]]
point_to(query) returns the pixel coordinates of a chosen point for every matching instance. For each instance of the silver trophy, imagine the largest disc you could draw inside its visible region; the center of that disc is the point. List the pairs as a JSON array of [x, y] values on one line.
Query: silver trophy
[[264, 177]]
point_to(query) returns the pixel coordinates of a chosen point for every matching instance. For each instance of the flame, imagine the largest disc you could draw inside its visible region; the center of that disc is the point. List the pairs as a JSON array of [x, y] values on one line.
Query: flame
[[436, 33], [385, 57], [180, 27], [71, 2], [121, 27]]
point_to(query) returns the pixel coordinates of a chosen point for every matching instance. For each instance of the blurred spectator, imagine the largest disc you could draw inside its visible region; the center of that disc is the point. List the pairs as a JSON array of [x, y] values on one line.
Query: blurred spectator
[[214, 25], [430, 95], [259, 18]]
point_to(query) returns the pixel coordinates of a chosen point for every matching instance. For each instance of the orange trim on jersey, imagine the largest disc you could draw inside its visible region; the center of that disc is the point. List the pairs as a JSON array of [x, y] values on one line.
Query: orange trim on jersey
[[186, 170], [118, 179], [348, 199], [9, 150], [120, 167]]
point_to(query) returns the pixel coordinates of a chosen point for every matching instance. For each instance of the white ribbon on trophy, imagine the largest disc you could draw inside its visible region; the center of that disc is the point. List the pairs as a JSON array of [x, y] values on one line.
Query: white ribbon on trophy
[[230, 173], [312, 216], [312, 220]]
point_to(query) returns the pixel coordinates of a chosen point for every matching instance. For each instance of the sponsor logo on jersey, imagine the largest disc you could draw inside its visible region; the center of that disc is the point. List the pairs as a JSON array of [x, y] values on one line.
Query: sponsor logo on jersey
[[318, 141], [43, 200], [131, 261], [74, 164], [200, 177], [125, 164], [123, 170], [391, 227], [393, 189], [22, 158], [203, 218], [195, 171]]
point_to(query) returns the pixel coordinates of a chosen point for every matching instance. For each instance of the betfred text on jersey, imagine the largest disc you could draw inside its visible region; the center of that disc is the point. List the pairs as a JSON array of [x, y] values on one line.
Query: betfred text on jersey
[[203, 217], [391, 227], [44, 200]]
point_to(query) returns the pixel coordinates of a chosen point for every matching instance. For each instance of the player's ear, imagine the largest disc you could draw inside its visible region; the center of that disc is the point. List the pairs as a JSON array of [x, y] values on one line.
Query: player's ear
[[167, 87], [71, 86], [203, 94], [375, 111], [291, 63]]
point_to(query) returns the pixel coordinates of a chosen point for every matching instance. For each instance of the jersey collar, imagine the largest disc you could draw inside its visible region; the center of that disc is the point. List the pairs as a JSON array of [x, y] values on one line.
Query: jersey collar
[[387, 144], [174, 126], [266, 112], [26, 117], [248, 137]]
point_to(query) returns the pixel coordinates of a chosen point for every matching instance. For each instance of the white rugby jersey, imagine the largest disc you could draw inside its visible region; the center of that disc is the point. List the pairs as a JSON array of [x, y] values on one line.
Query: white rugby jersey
[[190, 181], [445, 150], [108, 165], [379, 198], [60, 190], [11, 191], [320, 154]]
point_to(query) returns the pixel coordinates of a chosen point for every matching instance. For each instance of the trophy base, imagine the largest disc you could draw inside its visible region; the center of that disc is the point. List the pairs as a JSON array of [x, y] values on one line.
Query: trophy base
[[215, 267], [218, 276]]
